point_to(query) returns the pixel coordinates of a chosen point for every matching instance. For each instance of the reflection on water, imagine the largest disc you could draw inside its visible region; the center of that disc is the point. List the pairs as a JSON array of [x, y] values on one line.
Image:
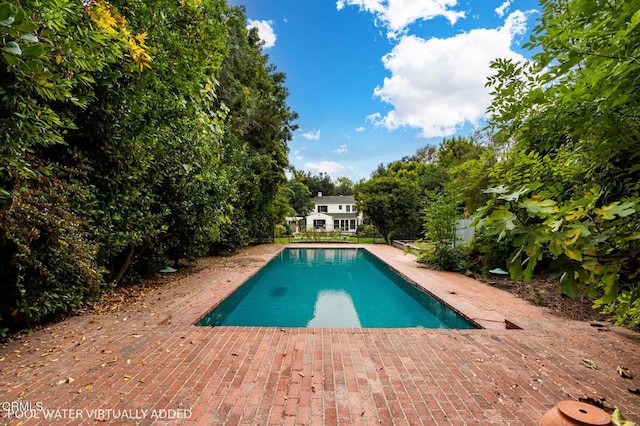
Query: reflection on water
[[334, 309], [320, 257]]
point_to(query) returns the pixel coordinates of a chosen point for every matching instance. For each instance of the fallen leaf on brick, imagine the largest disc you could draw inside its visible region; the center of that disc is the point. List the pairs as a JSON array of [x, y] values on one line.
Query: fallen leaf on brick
[[590, 364], [624, 373], [89, 387], [127, 377], [618, 419], [63, 381]]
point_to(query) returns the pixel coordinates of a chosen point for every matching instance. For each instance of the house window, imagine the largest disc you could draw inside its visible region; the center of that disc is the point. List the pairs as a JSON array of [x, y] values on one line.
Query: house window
[[348, 208], [336, 224], [319, 223], [340, 207], [352, 224], [322, 209]]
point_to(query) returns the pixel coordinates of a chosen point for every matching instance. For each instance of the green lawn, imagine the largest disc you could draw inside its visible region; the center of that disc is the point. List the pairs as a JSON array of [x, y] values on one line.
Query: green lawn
[[329, 239]]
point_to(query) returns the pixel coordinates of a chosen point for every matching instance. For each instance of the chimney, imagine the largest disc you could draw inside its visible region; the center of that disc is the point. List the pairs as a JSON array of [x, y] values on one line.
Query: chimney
[[319, 194]]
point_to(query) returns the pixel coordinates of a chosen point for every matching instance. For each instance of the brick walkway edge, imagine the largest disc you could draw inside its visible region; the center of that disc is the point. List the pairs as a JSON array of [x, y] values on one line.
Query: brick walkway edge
[[148, 364]]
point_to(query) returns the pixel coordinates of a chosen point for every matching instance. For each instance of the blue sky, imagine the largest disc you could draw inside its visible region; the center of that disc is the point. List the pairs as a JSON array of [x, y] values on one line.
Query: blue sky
[[374, 80]]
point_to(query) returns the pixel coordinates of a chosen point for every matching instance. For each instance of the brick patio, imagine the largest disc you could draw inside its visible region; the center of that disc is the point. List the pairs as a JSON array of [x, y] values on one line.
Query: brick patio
[[148, 361]]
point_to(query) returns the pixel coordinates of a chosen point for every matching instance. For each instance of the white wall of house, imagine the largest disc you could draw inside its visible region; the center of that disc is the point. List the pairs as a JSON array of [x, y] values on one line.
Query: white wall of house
[[334, 213]]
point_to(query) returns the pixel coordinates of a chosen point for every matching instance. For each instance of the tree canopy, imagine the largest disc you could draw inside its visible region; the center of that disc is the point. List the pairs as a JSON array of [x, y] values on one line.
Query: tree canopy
[[568, 188], [133, 133]]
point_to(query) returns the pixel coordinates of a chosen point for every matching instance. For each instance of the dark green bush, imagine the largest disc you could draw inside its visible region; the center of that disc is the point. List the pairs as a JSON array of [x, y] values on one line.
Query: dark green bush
[[366, 230], [443, 257], [47, 255], [486, 252]]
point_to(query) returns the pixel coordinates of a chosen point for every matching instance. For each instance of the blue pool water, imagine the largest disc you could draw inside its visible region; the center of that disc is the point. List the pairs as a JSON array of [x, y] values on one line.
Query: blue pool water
[[331, 288]]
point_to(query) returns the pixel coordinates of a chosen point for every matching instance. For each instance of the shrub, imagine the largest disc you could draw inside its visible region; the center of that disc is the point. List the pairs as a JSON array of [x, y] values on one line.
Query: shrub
[[487, 253], [367, 230], [443, 257], [282, 231], [47, 256]]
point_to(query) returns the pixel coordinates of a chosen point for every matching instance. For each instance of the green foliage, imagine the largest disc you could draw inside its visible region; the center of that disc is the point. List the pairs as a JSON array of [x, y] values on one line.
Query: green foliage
[[344, 186], [440, 218], [282, 231], [319, 183], [128, 141], [46, 251], [300, 197], [487, 252], [258, 126], [457, 150], [568, 189], [392, 204], [594, 245], [444, 257], [365, 230]]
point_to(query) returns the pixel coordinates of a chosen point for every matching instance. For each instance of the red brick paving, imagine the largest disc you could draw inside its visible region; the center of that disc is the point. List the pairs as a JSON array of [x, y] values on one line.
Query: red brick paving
[[150, 360]]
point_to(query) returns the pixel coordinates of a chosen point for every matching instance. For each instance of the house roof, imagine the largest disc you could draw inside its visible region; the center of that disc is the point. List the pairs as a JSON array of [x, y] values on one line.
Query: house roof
[[334, 199]]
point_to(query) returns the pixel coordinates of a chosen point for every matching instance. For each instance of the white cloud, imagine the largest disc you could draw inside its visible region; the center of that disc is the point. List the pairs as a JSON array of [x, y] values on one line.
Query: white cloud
[[503, 8], [297, 155], [265, 30], [397, 15], [330, 167], [342, 149], [360, 129], [312, 136], [438, 84]]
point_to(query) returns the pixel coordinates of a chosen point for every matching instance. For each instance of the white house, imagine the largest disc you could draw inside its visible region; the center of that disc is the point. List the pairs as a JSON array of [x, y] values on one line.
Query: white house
[[334, 213]]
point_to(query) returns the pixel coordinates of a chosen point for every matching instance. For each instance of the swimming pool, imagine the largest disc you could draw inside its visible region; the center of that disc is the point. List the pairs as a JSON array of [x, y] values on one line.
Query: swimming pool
[[331, 287]]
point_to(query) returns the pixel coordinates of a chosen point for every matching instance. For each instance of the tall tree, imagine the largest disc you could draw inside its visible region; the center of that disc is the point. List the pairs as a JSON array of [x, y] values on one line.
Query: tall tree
[[259, 126], [392, 204], [53, 54], [300, 198], [128, 140], [321, 182], [570, 187], [344, 186]]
